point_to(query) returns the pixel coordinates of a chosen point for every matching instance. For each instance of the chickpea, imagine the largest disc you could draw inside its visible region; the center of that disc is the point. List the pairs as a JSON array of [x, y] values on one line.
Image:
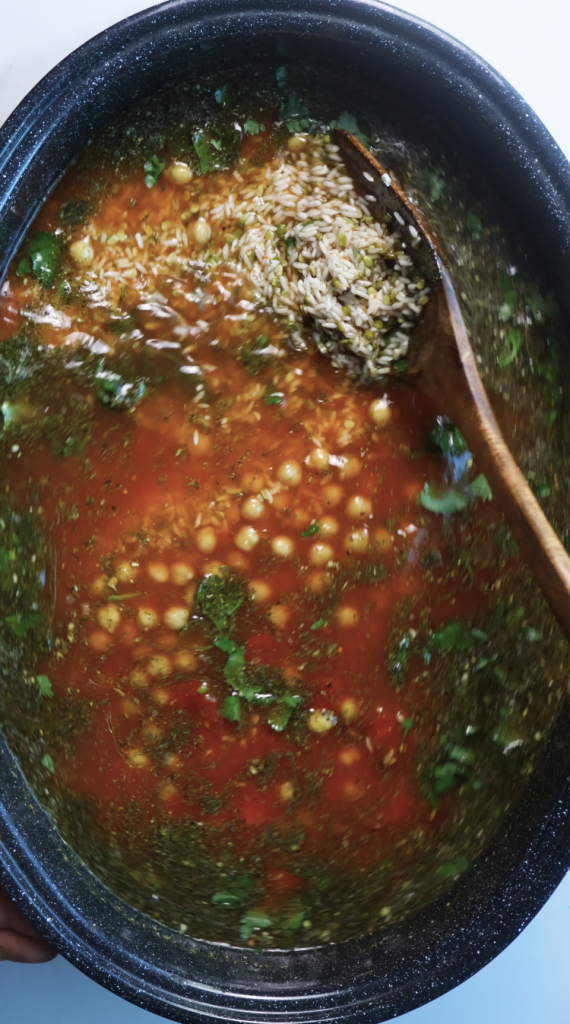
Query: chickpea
[[321, 721], [346, 616], [158, 666], [282, 546], [81, 252], [176, 617], [152, 732], [147, 618], [357, 540], [158, 572], [332, 494], [252, 508], [318, 582], [320, 554], [297, 143], [286, 791], [253, 481], [139, 678], [99, 584], [351, 468], [247, 538], [278, 615], [328, 526], [349, 756], [383, 540], [201, 231], [380, 411], [318, 459], [109, 617], [349, 710], [290, 473], [137, 758], [125, 572], [358, 507], [206, 540], [99, 640], [180, 173], [259, 591], [213, 569], [185, 660], [180, 573]]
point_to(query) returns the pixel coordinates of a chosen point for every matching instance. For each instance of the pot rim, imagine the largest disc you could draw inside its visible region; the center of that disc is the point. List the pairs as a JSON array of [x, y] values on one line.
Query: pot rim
[[25, 832]]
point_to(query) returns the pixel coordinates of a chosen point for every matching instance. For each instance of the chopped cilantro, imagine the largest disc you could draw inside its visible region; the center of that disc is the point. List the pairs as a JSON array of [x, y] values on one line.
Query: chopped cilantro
[[542, 489], [280, 714], [456, 636], [531, 634], [436, 184], [273, 397], [445, 503], [220, 95], [480, 488], [116, 392], [41, 257], [348, 122], [474, 225], [281, 76], [73, 212], [48, 763], [406, 724], [44, 685], [253, 920], [22, 624], [512, 346], [253, 127], [234, 895], [311, 530], [153, 168], [446, 438], [231, 708], [317, 625], [454, 868], [293, 922], [218, 597]]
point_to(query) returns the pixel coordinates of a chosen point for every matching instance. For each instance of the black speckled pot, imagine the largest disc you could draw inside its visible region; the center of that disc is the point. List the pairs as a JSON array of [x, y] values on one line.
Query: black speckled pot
[[380, 52]]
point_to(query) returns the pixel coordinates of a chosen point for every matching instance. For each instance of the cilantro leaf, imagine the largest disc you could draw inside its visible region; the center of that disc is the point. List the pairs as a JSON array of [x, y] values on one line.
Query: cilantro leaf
[[445, 503], [317, 625], [436, 184], [220, 95], [280, 714], [41, 256], [252, 920], [218, 597], [22, 624], [153, 168], [235, 893], [311, 530], [231, 709], [348, 122], [294, 921], [480, 488], [406, 725], [512, 347], [44, 686], [253, 127], [456, 636], [454, 868], [474, 225], [116, 392], [274, 397], [48, 763]]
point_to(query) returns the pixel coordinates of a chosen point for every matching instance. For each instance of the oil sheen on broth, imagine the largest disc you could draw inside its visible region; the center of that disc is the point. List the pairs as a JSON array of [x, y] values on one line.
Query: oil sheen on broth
[[265, 582]]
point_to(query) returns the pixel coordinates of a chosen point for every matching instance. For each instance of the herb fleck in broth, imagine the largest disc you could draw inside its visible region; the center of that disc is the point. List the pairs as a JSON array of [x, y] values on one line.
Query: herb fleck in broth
[[292, 672]]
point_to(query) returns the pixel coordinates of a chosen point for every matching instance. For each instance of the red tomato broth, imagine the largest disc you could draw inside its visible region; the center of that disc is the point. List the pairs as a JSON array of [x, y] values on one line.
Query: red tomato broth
[[160, 499]]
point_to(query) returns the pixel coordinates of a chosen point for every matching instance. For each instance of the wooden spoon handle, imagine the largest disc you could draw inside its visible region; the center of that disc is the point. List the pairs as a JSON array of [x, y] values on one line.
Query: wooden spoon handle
[[453, 381]]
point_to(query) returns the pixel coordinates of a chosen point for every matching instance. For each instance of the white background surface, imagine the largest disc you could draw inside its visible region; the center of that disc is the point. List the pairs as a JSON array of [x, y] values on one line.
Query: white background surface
[[527, 42]]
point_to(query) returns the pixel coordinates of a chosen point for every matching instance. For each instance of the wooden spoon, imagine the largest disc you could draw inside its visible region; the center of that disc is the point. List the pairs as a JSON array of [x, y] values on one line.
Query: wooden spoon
[[441, 363]]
